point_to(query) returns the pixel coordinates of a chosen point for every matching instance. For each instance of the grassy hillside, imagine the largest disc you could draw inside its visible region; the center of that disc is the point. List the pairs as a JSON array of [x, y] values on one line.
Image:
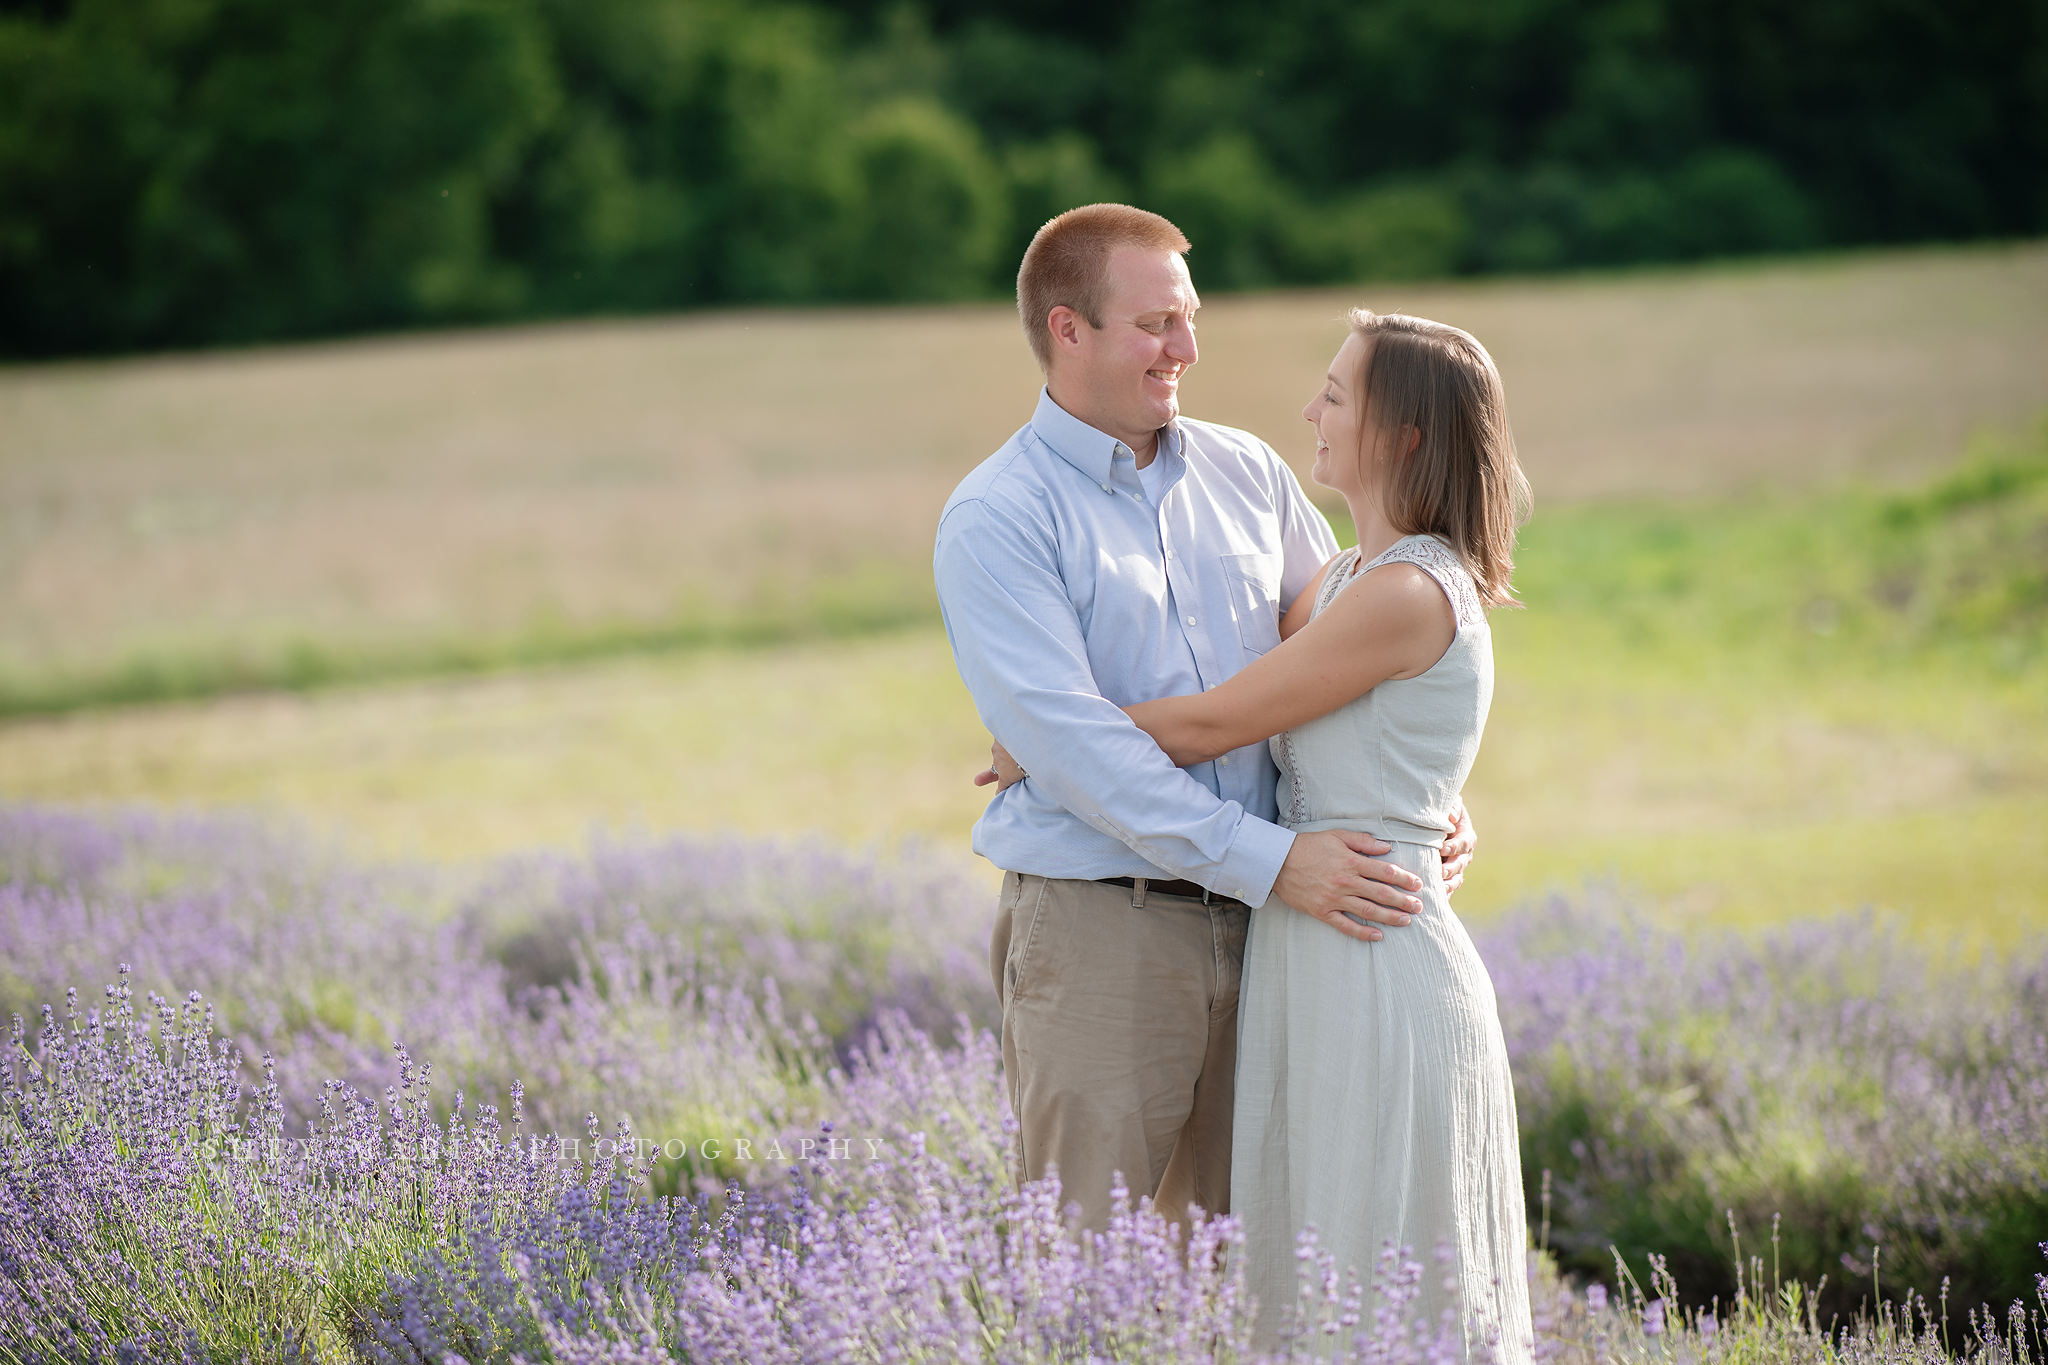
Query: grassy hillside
[[1784, 704], [294, 517], [1747, 709]]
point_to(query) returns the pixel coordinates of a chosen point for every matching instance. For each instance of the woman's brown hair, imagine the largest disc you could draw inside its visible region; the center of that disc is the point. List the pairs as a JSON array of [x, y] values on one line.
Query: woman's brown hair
[[1461, 481]]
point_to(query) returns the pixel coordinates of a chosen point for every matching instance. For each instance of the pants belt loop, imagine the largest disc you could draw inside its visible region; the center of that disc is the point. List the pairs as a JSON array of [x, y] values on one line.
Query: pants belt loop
[[1138, 892]]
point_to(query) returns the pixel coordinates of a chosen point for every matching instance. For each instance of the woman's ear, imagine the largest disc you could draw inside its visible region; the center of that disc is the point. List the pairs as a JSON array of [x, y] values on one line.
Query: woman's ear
[[1410, 437]]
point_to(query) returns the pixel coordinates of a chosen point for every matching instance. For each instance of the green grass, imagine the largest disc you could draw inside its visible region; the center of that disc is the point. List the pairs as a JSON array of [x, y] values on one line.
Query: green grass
[[336, 514], [874, 598], [1674, 713], [1784, 705]]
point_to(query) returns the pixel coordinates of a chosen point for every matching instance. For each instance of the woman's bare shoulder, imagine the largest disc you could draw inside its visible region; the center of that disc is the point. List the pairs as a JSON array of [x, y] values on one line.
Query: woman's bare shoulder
[[1398, 584], [1399, 607]]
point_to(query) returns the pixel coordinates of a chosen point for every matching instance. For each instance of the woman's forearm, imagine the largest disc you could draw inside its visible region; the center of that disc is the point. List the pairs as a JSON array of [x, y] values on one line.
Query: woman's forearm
[[1188, 728], [1393, 623]]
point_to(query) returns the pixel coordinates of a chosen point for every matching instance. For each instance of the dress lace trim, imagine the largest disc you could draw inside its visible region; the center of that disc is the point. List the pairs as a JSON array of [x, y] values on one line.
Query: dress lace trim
[[1283, 758]]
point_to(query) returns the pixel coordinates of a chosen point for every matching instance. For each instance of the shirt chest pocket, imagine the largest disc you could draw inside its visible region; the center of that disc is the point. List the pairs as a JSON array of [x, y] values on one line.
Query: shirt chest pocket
[[1254, 584]]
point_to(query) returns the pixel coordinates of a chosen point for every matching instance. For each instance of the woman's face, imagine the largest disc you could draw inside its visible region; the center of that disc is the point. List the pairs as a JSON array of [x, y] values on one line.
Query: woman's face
[[1337, 412]]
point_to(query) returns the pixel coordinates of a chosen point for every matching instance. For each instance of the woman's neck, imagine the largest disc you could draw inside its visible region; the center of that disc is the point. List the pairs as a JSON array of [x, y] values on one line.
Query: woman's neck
[[1376, 535]]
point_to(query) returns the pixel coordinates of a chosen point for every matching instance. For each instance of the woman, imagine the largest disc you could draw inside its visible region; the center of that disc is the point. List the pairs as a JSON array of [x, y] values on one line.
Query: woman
[[1373, 1094]]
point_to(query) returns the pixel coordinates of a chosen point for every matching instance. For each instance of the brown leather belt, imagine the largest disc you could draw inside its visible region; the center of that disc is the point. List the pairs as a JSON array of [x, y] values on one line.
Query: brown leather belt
[[1194, 891]]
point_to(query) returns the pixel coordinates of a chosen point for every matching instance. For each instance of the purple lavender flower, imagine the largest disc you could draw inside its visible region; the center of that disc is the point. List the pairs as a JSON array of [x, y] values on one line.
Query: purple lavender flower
[[225, 1154]]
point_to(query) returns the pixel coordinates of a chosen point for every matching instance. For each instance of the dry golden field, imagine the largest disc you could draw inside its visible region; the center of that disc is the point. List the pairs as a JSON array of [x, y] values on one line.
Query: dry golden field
[[456, 487], [466, 486]]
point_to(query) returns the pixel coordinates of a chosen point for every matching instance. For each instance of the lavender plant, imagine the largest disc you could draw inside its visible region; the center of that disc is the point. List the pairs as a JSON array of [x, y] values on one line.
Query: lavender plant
[[847, 938], [1833, 1072], [753, 1033], [232, 1242], [152, 1207], [1768, 1319], [322, 962]]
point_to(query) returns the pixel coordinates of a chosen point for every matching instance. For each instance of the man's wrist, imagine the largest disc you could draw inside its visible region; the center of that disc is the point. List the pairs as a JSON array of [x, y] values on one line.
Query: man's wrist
[[1253, 864]]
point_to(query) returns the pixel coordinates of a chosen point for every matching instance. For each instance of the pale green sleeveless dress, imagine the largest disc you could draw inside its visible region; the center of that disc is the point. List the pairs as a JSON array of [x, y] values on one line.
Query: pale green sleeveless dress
[[1373, 1094]]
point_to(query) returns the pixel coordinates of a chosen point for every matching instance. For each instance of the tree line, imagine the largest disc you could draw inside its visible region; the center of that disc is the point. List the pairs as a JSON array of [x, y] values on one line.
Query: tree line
[[203, 172]]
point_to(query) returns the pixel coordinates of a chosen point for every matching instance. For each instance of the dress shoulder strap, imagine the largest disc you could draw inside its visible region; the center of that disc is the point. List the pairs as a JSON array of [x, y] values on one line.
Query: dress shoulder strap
[[1441, 563]]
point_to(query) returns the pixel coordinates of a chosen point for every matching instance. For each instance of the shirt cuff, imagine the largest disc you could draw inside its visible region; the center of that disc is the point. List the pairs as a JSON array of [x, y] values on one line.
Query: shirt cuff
[[1253, 863]]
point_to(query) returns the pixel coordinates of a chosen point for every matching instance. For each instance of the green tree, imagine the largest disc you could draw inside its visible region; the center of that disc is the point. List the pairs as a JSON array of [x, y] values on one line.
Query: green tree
[[1046, 179], [933, 210], [221, 170], [177, 172], [1233, 206]]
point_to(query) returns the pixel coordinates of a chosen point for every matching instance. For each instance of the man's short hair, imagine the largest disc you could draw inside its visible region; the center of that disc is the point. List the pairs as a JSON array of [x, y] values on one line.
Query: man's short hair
[[1068, 263]]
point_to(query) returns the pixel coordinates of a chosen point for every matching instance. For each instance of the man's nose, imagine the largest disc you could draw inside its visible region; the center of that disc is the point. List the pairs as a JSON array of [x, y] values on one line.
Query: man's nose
[[1181, 345]]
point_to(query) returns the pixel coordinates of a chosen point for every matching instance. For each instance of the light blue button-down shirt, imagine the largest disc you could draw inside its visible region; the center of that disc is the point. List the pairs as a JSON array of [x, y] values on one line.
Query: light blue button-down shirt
[[1067, 596]]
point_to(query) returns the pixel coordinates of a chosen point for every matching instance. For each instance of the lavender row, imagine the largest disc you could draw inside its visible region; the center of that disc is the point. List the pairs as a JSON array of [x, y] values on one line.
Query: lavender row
[[1840, 1073], [155, 1210], [713, 997]]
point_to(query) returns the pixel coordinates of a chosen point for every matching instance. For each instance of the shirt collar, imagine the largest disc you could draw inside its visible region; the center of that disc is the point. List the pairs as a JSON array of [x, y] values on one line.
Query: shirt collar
[[1082, 446]]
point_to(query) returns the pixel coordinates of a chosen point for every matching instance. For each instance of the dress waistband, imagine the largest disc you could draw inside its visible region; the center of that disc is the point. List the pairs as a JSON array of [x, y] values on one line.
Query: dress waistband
[[1392, 831]]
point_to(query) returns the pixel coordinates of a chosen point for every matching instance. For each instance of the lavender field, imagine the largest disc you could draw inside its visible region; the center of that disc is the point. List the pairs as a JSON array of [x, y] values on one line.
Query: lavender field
[[699, 1100]]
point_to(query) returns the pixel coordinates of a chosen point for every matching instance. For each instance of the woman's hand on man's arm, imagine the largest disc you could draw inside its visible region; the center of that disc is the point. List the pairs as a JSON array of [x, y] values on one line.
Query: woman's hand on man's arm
[[1001, 770]]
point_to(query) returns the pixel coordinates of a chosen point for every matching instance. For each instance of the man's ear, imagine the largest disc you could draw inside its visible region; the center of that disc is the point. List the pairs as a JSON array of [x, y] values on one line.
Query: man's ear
[[1065, 325]]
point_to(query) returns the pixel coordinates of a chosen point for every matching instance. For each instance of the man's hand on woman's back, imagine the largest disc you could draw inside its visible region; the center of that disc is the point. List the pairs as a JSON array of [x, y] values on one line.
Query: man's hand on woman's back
[[1457, 849]]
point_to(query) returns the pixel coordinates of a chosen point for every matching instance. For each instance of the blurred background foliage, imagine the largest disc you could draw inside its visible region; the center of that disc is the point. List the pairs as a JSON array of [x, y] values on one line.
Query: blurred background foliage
[[197, 172]]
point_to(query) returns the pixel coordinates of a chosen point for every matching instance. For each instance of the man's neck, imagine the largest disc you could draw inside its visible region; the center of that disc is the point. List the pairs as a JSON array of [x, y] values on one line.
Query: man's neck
[[1144, 446]]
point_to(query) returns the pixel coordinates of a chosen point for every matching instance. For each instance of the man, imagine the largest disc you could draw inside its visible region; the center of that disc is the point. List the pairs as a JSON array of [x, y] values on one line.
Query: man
[[1113, 552]]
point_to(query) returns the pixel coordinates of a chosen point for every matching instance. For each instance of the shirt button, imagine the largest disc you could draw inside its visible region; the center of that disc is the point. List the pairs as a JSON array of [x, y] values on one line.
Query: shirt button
[[1191, 620], [1105, 488], [1225, 760]]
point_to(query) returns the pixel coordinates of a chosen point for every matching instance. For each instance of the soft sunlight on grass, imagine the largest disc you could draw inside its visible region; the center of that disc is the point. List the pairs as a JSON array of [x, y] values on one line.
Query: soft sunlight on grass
[[1785, 695], [1732, 807], [862, 741], [299, 516]]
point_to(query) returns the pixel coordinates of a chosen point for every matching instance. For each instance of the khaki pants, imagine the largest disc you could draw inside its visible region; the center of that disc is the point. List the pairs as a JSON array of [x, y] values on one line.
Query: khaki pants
[[1120, 1038]]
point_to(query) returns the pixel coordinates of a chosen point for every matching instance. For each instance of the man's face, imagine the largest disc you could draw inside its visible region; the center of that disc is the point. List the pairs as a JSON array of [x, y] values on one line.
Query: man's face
[[1128, 373]]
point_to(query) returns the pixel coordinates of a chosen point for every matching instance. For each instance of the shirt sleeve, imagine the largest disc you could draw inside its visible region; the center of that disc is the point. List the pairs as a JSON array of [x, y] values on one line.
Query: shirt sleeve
[[1306, 541], [1020, 649]]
